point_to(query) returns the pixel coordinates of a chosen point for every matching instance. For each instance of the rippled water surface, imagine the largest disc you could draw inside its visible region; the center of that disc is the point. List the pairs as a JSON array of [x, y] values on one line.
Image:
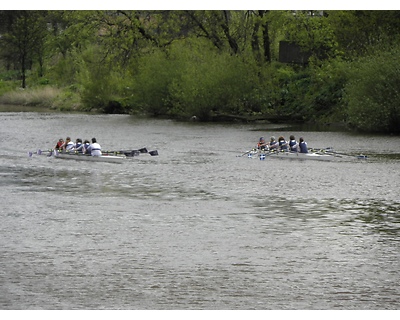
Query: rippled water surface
[[196, 227]]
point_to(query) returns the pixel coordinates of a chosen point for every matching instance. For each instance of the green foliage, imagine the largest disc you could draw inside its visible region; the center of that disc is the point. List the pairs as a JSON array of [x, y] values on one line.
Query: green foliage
[[99, 81], [209, 82], [308, 93], [7, 86], [24, 40], [207, 63], [373, 92], [150, 83], [325, 94], [67, 100], [312, 32], [191, 79], [356, 31], [64, 70]]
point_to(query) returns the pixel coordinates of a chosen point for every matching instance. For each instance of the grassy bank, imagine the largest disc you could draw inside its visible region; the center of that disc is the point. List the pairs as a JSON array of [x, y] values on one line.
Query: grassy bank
[[44, 97]]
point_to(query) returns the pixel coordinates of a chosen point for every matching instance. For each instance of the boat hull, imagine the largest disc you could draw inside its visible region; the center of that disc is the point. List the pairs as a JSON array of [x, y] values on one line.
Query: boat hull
[[292, 155], [84, 157]]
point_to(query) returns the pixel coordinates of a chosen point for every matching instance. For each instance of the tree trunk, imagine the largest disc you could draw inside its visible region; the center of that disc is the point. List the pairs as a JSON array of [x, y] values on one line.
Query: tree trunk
[[225, 27], [23, 72], [267, 48], [255, 45]]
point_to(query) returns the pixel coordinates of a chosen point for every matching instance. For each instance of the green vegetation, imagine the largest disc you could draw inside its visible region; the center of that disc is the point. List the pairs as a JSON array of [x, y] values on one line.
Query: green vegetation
[[308, 66], [373, 92]]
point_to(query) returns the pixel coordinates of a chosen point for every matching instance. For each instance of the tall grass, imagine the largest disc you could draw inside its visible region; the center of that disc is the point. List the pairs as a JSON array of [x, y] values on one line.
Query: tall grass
[[43, 97]]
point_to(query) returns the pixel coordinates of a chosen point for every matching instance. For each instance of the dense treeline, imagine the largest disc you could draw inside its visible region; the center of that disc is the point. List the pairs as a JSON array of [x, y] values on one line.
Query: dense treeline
[[330, 66]]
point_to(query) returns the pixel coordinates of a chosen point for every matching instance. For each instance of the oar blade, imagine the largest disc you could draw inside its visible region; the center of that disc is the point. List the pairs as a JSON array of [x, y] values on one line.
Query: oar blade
[[134, 153]]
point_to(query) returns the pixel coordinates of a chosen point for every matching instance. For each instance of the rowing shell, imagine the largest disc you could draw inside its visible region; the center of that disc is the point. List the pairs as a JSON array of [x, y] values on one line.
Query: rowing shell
[[291, 155], [85, 157], [107, 156]]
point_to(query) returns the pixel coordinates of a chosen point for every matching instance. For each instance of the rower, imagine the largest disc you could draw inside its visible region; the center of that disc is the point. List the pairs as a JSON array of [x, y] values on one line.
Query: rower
[[68, 145], [273, 144], [78, 145], [262, 145], [86, 145], [293, 145], [283, 145], [94, 149], [303, 146]]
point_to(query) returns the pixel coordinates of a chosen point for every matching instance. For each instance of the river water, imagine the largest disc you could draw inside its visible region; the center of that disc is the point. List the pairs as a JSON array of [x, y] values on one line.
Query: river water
[[196, 227]]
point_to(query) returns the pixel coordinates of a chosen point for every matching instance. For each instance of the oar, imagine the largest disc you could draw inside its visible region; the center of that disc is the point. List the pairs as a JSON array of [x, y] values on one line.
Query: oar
[[133, 153], [330, 150], [241, 155], [327, 149], [129, 153], [359, 156], [271, 152], [142, 150], [39, 152]]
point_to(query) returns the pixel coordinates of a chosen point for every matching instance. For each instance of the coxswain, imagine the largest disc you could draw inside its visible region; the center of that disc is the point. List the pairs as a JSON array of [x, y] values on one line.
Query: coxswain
[[303, 146], [59, 144]]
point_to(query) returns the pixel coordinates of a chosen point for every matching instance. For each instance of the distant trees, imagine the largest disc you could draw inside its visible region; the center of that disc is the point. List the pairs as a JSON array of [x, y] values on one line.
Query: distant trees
[[207, 63]]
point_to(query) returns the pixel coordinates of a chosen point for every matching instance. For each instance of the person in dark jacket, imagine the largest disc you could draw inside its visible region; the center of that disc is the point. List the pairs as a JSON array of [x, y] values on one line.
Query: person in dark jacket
[[303, 146]]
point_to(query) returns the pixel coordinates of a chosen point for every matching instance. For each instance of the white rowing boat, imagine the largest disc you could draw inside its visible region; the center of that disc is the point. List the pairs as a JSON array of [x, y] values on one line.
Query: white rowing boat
[[86, 157], [257, 154], [107, 156]]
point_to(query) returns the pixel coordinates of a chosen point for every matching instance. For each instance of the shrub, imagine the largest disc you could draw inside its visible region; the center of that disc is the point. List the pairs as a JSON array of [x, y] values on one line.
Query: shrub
[[373, 92], [98, 80], [149, 87], [209, 82]]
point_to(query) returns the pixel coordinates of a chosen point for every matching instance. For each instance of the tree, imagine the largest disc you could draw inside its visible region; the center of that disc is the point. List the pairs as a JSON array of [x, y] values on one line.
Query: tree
[[260, 20], [357, 30], [232, 30], [23, 42], [311, 31]]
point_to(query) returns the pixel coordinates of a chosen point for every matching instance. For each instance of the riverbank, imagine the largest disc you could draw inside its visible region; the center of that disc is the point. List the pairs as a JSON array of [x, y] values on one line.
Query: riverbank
[[52, 100], [46, 98]]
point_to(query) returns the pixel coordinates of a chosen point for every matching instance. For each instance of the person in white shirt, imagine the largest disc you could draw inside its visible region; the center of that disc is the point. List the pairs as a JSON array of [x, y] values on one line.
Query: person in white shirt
[[94, 149], [68, 144]]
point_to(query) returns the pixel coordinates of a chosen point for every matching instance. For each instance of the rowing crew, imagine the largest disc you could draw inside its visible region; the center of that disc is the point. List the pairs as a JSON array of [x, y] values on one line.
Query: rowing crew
[[85, 147], [283, 145]]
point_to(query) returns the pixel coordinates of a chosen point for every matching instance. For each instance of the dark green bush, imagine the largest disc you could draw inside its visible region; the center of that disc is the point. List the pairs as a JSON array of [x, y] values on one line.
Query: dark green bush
[[373, 92]]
